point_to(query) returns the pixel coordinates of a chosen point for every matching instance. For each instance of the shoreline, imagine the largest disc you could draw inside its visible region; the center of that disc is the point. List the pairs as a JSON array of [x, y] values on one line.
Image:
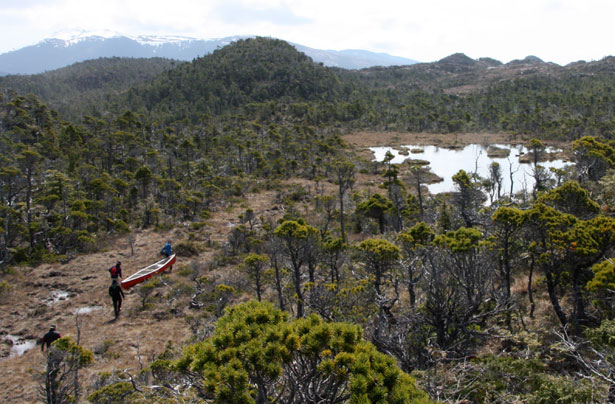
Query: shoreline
[[361, 141]]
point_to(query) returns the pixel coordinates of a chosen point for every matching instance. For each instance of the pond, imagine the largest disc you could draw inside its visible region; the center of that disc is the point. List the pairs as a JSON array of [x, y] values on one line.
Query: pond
[[56, 296], [472, 158], [87, 309], [19, 346]]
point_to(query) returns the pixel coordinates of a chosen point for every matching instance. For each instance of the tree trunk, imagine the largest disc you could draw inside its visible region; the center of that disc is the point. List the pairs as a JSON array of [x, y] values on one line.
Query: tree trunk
[[257, 281], [5, 247], [342, 215], [506, 269], [381, 223], [298, 291], [530, 292], [28, 208], [278, 287], [412, 294], [551, 288], [579, 314], [419, 196]]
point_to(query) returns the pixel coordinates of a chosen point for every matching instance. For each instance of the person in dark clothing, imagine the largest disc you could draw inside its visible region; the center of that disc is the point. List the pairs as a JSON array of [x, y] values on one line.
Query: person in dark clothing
[[117, 294], [116, 271], [48, 338], [167, 250]]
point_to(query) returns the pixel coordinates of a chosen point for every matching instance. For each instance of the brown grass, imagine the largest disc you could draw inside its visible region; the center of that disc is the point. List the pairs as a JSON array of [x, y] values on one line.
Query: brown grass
[[24, 312], [86, 279], [361, 140], [544, 317]]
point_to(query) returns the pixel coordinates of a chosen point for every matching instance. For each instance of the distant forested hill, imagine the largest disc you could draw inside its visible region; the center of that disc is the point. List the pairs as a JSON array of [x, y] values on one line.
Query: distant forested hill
[[71, 88], [459, 94], [269, 80], [236, 77]]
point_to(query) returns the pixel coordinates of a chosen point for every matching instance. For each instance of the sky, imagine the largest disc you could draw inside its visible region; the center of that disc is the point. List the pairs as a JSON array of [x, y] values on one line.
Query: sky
[[559, 31]]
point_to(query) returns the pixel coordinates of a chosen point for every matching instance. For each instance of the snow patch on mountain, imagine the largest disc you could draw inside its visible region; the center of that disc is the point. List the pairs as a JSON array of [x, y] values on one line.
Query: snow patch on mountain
[[72, 46], [72, 37]]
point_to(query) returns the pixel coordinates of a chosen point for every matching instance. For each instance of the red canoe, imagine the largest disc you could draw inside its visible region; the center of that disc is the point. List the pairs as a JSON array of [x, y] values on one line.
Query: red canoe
[[148, 272]]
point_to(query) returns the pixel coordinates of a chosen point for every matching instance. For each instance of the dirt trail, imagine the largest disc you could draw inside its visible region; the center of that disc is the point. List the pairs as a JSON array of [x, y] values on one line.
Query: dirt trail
[[53, 293]]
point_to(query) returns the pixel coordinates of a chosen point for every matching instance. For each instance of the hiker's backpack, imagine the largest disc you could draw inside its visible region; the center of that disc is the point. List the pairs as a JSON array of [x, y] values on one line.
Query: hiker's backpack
[[113, 271]]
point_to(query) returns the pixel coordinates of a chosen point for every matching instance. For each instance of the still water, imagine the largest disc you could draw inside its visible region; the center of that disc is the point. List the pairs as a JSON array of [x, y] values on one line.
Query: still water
[[18, 345], [473, 159]]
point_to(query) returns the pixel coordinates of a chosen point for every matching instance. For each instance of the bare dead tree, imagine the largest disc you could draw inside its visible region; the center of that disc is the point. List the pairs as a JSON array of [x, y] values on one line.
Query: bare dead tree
[[530, 290], [132, 239], [76, 380], [64, 358], [139, 352], [276, 262], [417, 178], [512, 173], [596, 362], [344, 178]]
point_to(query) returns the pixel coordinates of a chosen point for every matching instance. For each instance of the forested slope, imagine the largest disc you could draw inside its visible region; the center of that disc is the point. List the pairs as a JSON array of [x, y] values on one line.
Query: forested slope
[[74, 89], [270, 79], [250, 71], [117, 170]]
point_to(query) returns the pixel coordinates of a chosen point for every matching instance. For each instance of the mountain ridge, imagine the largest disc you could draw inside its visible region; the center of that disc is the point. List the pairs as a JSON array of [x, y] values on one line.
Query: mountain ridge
[[54, 53]]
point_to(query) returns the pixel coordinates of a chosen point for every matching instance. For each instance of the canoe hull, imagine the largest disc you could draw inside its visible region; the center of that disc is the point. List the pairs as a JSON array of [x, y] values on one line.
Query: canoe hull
[[148, 272]]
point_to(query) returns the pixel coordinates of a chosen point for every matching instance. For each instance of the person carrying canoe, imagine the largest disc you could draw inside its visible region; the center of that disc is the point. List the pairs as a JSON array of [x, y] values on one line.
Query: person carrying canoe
[[167, 251], [116, 271], [117, 294], [48, 338]]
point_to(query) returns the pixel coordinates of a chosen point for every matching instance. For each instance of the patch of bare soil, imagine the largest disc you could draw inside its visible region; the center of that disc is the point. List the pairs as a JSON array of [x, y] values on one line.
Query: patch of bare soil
[[372, 139], [55, 293]]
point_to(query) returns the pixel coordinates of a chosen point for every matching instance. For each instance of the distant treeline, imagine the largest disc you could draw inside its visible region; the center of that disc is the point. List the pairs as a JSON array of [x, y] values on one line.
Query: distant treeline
[[269, 81]]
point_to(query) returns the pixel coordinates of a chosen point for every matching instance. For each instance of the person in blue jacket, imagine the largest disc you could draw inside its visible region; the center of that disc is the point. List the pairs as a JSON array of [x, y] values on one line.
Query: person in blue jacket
[[167, 251]]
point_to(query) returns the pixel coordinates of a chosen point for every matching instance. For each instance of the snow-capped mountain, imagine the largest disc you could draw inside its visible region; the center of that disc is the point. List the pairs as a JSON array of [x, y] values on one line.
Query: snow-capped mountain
[[76, 46], [75, 36]]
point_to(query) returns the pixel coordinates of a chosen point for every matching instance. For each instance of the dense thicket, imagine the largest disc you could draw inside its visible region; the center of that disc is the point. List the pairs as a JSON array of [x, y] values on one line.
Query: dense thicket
[[62, 183], [457, 94], [450, 291], [460, 94], [76, 89], [269, 79]]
